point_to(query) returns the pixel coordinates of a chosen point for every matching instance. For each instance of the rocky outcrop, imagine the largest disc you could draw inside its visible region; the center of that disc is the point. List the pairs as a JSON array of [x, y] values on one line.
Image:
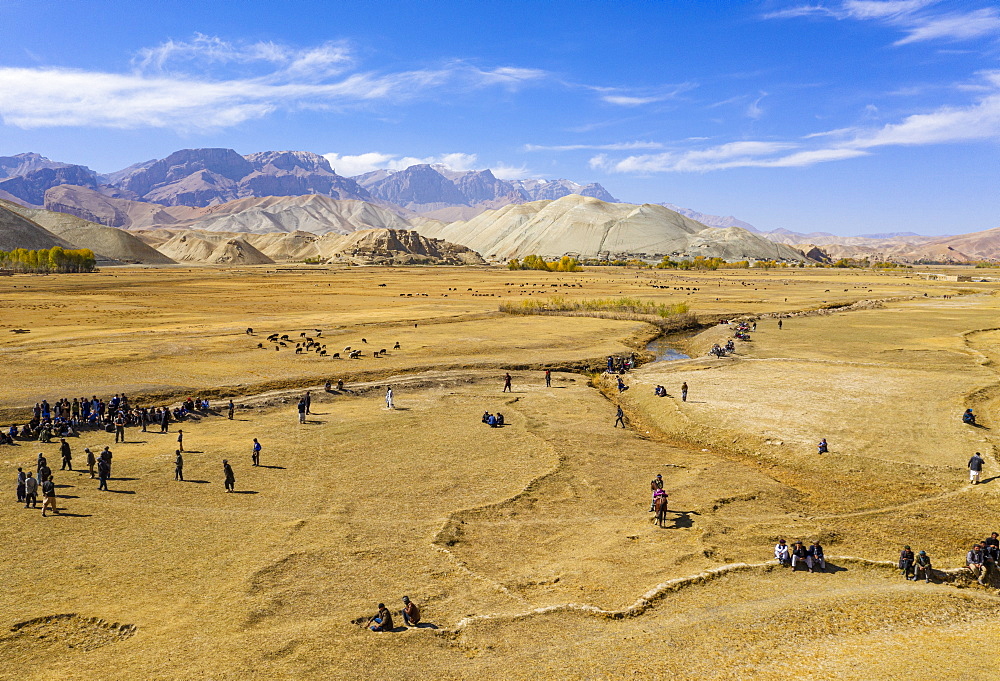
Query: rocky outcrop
[[397, 247]]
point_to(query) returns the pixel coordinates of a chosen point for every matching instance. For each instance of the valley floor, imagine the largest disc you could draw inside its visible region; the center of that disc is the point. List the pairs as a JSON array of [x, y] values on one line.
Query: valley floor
[[529, 547]]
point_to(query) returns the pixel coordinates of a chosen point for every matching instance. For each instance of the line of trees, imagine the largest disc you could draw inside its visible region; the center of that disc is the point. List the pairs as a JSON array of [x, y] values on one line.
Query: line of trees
[[46, 260], [537, 262]]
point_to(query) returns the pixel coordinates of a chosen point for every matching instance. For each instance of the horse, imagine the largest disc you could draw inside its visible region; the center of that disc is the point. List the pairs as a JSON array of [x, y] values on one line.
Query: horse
[[660, 507]]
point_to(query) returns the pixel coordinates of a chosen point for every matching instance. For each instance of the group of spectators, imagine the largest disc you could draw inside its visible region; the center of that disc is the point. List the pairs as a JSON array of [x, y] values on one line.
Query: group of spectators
[[798, 554], [982, 560], [66, 418], [621, 365], [493, 420]]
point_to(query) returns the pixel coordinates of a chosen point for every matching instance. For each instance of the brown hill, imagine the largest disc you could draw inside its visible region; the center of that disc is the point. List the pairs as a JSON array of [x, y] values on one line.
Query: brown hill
[[192, 247], [113, 212], [111, 243], [17, 231]]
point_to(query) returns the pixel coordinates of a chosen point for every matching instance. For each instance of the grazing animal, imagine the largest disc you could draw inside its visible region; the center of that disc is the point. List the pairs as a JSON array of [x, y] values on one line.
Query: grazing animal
[[347, 349], [272, 337], [284, 345], [355, 354], [396, 346], [382, 351], [382, 285], [302, 334], [322, 353], [364, 340], [336, 355], [298, 351], [260, 345], [319, 332], [285, 337]]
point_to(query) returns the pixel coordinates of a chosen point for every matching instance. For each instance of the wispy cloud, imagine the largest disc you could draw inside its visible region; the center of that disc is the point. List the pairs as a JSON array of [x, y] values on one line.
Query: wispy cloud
[[358, 164], [168, 87], [952, 124], [919, 20], [616, 146]]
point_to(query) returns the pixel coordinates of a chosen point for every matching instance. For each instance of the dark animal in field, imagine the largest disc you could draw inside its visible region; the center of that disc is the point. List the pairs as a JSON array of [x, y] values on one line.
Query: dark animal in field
[[322, 353], [273, 337], [260, 345], [396, 346], [347, 349], [285, 337], [364, 340], [284, 345], [355, 354], [336, 355], [298, 351], [381, 352], [302, 334], [382, 285]]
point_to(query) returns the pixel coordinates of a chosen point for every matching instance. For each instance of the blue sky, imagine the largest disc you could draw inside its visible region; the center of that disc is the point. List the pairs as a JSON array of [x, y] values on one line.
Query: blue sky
[[848, 116]]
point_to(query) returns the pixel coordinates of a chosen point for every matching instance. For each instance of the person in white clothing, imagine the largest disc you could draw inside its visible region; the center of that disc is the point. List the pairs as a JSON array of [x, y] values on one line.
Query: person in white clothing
[[781, 553], [388, 398]]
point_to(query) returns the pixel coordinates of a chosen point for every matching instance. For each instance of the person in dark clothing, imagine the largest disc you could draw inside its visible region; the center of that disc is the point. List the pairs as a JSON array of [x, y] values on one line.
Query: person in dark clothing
[[822, 447], [620, 417], [922, 566], [906, 562], [44, 473], [969, 417], [410, 612], [779, 325], [684, 391], [506, 383], [230, 478], [975, 560], [308, 401], [179, 466], [30, 491], [91, 461], [548, 378], [302, 411], [180, 440], [975, 468], [799, 554], [165, 420], [20, 484], [67, 456], [49, 496], [815, 558], [41, 461], [991, 547], [232, 410], [381, 621], [103, 473], [107, 456], [119, 429]]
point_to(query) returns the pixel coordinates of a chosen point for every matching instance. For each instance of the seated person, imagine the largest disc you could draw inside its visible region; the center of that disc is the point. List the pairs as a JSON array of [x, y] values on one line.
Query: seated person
[[815, 558], [493, 421], [486, 417], [822, 446], [922, 566], [800, 554], [499, 420], [969, 417], [410, 612], [782, 554], [382, 621]]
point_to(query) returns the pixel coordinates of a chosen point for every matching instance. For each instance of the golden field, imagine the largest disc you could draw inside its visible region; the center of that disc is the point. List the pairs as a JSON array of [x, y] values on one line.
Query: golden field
[[529, 548]]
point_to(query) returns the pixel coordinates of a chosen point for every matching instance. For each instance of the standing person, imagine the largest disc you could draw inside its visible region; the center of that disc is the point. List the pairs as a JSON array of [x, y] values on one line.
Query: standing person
[[49, 496], [308, 401], [43, 472], [67, 455], [302, 410], [107, 456], [410, 612], [255, 456], [144, 418], [30, 491], [164, 419], [179, 466], [388, 398], [779, 325], [232, 410], [620, 417], [103, 473], [684, 391], [655, 484], [975, 468], [21, 477], [506, 383], [41, 461], [906, 562], [91, 461], [180, 440], [548, 378], [119, 428], [230, 478], [923, 566]]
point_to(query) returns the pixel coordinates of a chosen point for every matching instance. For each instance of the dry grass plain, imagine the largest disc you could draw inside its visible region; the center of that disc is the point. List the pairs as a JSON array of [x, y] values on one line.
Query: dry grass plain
[[529, 547]]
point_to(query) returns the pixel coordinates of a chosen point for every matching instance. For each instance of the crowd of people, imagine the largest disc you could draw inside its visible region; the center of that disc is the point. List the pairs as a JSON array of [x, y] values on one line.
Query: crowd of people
[[66, 418]]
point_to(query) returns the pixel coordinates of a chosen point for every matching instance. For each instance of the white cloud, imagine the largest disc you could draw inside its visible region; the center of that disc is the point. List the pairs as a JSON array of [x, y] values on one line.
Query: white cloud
[[622, 100], [616, 146], [915, 18], [156, 94], [968, 26], [373, 160], [754, 110], [945, 125]]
